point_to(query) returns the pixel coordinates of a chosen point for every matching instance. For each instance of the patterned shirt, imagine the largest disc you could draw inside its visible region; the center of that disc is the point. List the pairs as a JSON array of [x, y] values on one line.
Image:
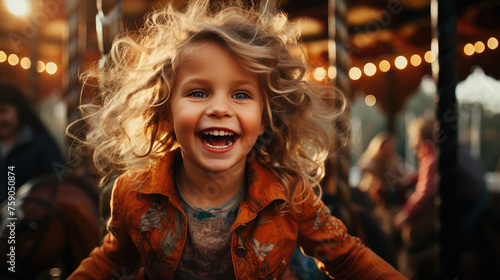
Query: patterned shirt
[[207, 253]]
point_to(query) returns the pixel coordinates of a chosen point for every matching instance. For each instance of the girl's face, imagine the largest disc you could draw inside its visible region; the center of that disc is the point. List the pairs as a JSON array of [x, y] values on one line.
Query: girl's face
[[9, 121], [216, 110]]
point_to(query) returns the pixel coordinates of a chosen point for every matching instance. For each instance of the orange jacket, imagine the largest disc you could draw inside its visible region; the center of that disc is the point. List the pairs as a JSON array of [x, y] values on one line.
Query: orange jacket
[[148, 228]]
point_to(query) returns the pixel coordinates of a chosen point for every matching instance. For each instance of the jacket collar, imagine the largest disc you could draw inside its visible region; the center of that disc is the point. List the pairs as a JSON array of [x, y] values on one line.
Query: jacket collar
[[262, 186]]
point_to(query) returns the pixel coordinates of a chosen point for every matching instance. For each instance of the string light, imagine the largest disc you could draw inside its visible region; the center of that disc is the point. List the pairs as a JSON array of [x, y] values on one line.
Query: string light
[[370, 69], [415, 60], [384, 65], [429, 56], [3, 56], [51, 68], [401, 62], [469, 49], [40, 66], [370, 100], [479, 47], [355, 73], [332, 72], [25, 63], [492, 43], [13, 59]]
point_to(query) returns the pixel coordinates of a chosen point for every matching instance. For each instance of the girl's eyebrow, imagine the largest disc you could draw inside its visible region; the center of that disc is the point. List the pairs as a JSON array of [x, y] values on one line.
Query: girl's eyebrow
[[201, 81]]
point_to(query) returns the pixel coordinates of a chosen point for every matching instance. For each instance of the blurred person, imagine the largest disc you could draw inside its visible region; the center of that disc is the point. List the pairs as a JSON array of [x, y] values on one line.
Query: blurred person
[[383, 173], [386, 180], [417, 217], [25, 143]]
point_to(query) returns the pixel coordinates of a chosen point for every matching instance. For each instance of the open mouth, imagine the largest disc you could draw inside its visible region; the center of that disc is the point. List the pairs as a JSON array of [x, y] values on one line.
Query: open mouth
[[218, 138]]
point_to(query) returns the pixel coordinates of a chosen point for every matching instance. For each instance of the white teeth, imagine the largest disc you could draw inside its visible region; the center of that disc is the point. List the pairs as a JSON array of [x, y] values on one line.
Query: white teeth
[[229, 143], [218, 132]]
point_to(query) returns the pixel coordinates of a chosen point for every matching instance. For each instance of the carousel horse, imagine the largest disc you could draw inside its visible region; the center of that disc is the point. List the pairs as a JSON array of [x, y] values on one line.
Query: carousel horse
[[56, 224]]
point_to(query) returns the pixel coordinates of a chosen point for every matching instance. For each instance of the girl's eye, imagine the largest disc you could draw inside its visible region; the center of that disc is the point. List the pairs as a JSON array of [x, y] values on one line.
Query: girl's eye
[[198, 94], [241, 95]]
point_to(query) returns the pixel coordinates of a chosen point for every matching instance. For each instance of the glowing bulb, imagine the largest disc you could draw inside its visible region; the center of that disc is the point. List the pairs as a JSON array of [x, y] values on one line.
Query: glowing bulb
[[40, 66], [13, 59], [429, 56], [25, 63], [3, 56], [400, 62], [319, 73], [51, 68], [479, 47], [384, 65], [415, 60], [492, 43], [370, 100], [469, 49], [18, 7], [370, 69], [332, 72], [355, 73]]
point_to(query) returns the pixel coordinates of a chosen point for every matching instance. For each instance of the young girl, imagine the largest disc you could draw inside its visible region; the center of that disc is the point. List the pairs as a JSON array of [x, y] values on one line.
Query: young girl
[[220, 141]]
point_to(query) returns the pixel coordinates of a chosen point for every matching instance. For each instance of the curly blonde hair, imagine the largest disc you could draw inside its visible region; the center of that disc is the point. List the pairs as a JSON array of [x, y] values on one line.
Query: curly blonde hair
[[126, 127]]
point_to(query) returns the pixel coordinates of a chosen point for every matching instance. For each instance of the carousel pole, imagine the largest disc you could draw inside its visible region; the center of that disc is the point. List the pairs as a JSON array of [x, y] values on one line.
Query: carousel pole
[[444, 70], [339, 60]]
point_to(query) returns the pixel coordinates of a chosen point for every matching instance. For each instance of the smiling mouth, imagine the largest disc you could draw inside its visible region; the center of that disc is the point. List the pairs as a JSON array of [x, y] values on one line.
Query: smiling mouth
[[218, 138]]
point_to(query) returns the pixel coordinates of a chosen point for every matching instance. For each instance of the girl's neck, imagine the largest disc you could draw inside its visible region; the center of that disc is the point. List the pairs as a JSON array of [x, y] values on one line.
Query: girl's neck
[[209, 189]]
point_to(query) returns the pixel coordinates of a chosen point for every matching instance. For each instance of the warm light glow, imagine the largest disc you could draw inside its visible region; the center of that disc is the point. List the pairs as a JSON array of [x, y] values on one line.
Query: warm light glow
[[479, 47], [40, 66], [25, 63], [51, 68], [18, 7], [492, 43], [429, 56], [469, 49], [415, 60], [370, 69], [401, 62], [332, 72], [13, 59], [370, 100], [319, 73], [3, 56], [355, 73], [384, 65]]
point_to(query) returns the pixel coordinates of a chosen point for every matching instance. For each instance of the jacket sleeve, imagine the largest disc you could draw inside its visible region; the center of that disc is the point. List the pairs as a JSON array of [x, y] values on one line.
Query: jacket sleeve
[[118, 252], [343, 256]]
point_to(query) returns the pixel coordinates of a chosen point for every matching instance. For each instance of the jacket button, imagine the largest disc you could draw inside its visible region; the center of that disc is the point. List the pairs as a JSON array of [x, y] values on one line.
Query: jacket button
[[240, 228], [241, 251]]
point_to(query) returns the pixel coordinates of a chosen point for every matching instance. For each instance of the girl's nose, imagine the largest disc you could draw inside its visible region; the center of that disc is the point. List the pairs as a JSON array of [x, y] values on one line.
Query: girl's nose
[[219, 107]]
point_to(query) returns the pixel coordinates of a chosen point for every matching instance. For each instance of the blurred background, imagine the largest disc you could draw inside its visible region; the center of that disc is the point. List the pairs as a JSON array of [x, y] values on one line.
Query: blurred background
[[46, 44], [378, 52]]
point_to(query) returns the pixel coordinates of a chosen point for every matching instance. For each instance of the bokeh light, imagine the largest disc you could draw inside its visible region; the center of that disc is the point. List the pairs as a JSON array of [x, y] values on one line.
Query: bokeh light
[[319, 73], [13, 59], [40, 66], [332, 72], [355, 73], [370, 69], [3, 56], [25, 63], [51, 68], [415, 60], [469, 49], [370, 100], [18, 7], [384, 65], [479, 47], [492, 43], [401, 62]]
